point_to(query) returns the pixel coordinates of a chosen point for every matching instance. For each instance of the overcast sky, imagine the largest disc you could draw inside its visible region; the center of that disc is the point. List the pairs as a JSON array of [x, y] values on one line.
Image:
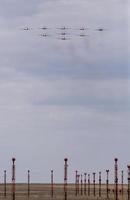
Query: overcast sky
[[64, 98]]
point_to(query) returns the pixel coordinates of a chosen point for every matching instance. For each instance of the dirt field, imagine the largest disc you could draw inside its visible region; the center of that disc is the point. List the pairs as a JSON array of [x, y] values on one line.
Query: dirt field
[[43, 192]]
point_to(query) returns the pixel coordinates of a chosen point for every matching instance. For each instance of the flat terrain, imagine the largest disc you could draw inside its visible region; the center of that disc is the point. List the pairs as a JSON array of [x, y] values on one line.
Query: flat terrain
[[43, 192]]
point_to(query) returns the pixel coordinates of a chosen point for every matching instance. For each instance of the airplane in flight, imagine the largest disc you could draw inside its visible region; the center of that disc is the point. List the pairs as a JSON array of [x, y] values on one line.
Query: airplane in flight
[[64, 38], [63, 28], [27, 29], [44, 28], [63, 33], [83, 29], [82, 35], [100, 29], [44, 35]]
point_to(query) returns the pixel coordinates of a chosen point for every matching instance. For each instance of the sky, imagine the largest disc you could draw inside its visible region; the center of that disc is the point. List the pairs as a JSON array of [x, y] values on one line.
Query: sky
[[64, 98]]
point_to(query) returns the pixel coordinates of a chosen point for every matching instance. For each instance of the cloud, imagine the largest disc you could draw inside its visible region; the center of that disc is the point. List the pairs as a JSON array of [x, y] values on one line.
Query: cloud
[[20, 8], [98, 94], [98, 56], [54, 132]]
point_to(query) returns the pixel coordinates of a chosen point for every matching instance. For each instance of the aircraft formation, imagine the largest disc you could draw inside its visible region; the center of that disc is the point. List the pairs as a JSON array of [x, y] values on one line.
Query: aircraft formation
[[63, 32]]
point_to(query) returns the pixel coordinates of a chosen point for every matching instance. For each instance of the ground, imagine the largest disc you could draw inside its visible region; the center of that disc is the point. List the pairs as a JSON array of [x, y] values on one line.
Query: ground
[[43, 192]]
